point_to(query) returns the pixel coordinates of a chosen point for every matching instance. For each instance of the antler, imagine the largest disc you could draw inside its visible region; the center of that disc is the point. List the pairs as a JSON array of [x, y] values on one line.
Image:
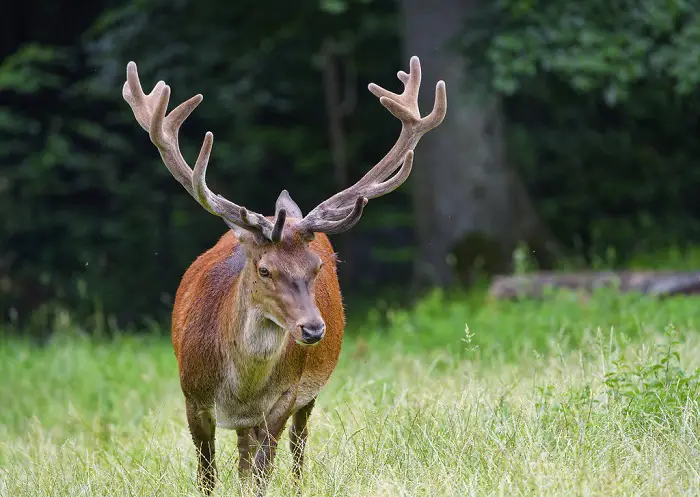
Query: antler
[[344, 209], [150, 112]]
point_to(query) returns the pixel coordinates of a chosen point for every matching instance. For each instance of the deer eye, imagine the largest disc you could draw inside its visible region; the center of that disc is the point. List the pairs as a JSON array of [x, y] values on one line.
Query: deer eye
[[264, 272]]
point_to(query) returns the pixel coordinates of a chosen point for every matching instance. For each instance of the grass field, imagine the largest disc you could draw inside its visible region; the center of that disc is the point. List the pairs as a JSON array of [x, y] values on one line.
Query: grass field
[[456, 397]]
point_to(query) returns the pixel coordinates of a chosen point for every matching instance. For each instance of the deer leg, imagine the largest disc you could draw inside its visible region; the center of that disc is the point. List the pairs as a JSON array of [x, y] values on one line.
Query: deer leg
[[202, 428], [298, 433], [247, 440], [268, 435]]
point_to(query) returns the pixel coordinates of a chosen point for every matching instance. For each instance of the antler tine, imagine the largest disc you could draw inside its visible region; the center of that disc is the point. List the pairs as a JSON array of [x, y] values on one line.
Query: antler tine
[[337, 214], [433, 120], [379, 181], [332, 221], [150, 112], [388, 186], [140, 103], [233, 215]]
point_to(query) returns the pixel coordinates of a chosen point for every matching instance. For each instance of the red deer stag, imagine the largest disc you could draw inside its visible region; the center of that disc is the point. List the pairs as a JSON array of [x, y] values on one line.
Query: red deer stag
[[258, 318]]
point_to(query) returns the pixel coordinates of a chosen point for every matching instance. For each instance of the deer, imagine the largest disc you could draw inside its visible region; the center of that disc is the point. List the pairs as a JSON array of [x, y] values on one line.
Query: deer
[[258, 319]]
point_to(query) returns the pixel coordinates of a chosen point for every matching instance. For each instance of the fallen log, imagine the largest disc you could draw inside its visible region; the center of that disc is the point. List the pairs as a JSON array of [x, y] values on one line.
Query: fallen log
[[534, 285]]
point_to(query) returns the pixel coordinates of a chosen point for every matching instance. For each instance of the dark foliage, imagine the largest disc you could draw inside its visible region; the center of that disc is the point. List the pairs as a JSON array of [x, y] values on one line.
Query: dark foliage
[[600, 98], [95, 219], [602, 104]]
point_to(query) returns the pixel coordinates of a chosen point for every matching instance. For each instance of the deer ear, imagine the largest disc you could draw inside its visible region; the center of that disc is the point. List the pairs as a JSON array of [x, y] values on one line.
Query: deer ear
[[284, 201]]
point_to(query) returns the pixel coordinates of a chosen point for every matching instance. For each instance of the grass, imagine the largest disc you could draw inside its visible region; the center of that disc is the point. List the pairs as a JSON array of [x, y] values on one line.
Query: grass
[[454, 397]]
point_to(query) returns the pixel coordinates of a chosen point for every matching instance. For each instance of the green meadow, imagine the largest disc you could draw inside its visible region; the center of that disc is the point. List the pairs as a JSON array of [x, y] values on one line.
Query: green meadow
[[456, 396]]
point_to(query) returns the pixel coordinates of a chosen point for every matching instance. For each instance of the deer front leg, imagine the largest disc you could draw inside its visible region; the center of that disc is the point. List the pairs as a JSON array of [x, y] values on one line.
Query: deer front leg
[[202, 428], [268, 435], [247, 441], [298, 433]]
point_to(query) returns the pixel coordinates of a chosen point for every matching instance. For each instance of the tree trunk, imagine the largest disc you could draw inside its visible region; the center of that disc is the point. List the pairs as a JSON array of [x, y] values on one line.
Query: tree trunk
[[658, 283], [470, 208]]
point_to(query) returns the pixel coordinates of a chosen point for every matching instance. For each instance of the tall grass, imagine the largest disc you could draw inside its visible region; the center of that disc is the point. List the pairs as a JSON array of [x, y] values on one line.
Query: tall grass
[[454, 397]]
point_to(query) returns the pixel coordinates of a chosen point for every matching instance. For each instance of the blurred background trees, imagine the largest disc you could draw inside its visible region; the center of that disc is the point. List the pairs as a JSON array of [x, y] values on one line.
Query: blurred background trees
[[571, 128]]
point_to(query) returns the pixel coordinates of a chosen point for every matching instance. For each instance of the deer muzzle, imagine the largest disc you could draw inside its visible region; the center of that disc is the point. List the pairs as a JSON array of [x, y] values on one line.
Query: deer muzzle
[[312, 331]]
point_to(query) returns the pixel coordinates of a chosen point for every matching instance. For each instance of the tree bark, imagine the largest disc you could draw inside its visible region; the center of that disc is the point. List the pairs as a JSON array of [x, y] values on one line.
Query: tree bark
[[660, 283], [470, 208]]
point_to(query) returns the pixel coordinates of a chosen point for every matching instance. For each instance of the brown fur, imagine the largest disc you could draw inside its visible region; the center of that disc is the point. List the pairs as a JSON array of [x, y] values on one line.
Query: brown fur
[[214, 297]]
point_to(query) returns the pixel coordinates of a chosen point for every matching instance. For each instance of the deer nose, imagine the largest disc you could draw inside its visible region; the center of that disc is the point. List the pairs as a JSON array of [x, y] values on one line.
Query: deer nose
[[312, 332]]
